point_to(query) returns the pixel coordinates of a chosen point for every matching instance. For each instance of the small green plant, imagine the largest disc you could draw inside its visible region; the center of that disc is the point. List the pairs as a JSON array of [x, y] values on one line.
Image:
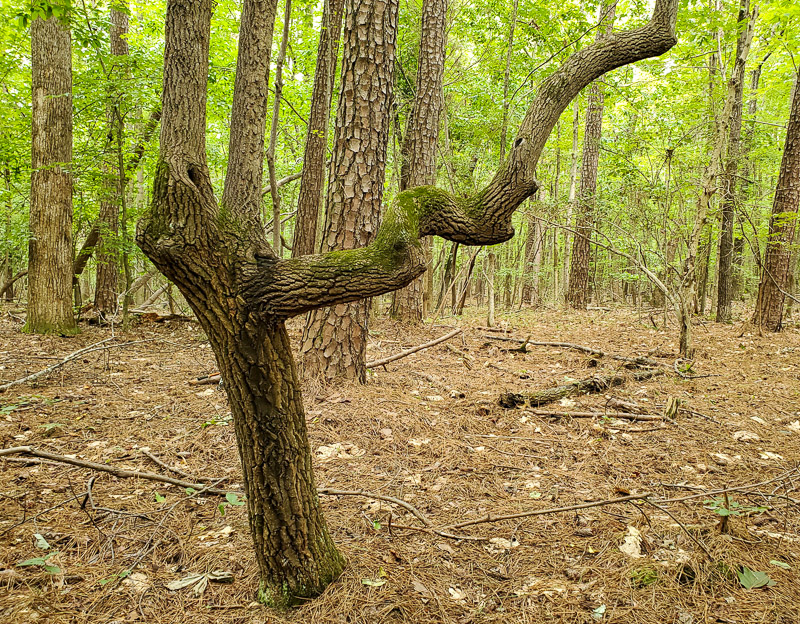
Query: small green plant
[[752, 579], [642, 577], [42, 563], [231, 498], [114, 577], [731, 508], [223, 421]]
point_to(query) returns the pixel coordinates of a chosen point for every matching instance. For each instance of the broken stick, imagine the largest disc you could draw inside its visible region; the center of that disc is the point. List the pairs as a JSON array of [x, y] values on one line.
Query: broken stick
[[585, 386], [403, 354]]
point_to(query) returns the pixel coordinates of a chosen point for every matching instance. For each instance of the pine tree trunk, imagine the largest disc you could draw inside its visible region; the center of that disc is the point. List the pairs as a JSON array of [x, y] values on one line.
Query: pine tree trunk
[[50, 245], [776, 272], [312, 181], [105, 298], [335, 339], [418, 150], [578, 290], [730, 176]]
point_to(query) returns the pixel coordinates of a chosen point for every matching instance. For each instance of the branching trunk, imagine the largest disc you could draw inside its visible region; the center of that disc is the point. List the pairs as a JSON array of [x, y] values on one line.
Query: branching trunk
[[218, 256]]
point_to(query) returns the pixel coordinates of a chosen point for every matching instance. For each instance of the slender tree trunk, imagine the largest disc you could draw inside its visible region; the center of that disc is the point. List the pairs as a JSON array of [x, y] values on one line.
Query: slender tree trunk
[[688, 287], [578, 290], [418, 150], [335, 339], [105, 298], [776, 274], [50, 245], [277, 244], [9, 258], [573, 183], [509, 52], [730, 175], [316, 147], [491, 262]]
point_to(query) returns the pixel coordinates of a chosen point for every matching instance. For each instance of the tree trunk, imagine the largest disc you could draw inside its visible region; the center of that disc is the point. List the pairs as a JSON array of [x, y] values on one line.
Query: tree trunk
[[105, 297], [335, 340], [573, 187], [509, 51], [50, 245], [491, 262], [242, 293], [277, 244], [730, 176], [418, 150], [578, 290], [776, 271], [8, 281], [316, 147]]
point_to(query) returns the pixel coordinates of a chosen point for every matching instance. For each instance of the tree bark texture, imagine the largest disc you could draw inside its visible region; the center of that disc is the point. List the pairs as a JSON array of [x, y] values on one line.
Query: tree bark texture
[[730, 176], [578, 290], [202, 248], [418, 151], [50, 244], [312, 181], [105, 298], [335, 340], [776, 272], [241, 292]]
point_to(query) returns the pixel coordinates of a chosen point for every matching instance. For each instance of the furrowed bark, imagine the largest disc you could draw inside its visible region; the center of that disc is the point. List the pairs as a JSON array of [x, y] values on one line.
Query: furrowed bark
[[776, 272], [50, 245], [418, 149], [335, 340]]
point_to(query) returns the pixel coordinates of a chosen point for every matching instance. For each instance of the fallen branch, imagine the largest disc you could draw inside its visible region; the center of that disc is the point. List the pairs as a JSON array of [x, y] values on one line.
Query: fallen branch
[[586, 386], [402, 354], [177, 470], [620, 415], [524, 344], [117, 472], [405, 505], [98, 346], [541, 512]]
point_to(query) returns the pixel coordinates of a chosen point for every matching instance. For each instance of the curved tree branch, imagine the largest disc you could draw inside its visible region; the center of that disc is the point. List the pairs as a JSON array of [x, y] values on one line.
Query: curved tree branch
[[294, 286]]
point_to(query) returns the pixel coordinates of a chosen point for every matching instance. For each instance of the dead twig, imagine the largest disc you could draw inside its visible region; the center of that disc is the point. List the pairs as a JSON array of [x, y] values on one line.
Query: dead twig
[[620, 415], [98, 346], [541, 512], [407, 352], [638, 361], [178, 471], [117, 472]]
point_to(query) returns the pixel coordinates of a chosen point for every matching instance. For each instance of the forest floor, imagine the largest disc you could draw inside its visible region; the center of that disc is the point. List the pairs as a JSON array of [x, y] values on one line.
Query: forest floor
[[454, 459]]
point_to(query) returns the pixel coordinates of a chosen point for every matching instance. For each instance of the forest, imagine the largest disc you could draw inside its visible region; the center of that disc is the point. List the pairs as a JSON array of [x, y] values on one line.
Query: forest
[[454, 311]]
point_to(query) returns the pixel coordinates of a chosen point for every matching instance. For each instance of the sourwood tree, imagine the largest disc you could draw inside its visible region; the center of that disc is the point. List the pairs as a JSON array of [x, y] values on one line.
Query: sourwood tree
[[216, 253]]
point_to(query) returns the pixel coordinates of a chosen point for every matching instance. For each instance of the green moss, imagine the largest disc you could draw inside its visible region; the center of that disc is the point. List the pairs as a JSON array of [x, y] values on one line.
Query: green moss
[[285, 596], [642, 577]]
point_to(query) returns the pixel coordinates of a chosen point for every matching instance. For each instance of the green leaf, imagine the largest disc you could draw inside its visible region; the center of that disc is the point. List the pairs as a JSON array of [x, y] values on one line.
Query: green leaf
[[752, 579], [159, 498], [599, 612], [233, 499], [373, 582], [221, 508], [190, 491], [781, 564]]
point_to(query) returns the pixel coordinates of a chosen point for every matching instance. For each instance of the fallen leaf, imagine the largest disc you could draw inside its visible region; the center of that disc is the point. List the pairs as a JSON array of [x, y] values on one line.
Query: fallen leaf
[[631, 545], [745, 436]]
